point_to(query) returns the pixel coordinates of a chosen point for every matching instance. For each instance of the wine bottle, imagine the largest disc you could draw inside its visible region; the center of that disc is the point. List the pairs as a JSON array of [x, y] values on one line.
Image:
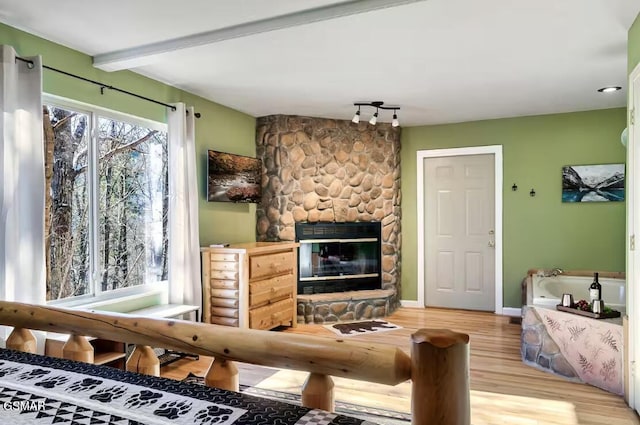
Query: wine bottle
[[595, 290]]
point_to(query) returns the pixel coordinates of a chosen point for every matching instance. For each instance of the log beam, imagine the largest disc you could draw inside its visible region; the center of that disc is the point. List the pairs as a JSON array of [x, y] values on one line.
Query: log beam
[[440, 377], [21, 339], [144, 360], [317, 392], [223, 374]]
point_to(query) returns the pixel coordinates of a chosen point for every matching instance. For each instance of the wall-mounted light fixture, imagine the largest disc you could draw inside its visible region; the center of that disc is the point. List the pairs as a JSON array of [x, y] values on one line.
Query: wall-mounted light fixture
[[532, 193], [378, 104], [514, 187]]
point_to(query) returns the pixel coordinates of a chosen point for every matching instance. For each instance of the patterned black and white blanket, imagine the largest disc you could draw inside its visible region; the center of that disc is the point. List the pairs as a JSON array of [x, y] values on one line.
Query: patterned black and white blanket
[[44, 390]]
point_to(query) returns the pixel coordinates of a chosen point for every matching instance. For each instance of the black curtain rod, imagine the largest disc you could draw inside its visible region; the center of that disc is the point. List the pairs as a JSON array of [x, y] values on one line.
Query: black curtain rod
[[102, 86]]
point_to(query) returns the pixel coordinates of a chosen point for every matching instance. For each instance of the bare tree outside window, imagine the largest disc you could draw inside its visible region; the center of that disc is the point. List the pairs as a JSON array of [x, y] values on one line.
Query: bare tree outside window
[[132, 197]]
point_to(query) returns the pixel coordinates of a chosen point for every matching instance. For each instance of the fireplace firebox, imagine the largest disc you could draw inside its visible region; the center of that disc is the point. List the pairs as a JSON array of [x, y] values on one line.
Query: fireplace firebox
[[338, 257]]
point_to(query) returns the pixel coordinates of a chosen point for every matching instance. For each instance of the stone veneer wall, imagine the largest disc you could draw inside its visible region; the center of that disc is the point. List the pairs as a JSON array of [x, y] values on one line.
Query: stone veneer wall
[[344, 307], [317, 169], [538, 349]]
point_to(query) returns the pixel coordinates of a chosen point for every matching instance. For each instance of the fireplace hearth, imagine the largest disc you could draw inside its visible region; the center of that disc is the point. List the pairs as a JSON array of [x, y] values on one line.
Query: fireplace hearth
[[338, 257]]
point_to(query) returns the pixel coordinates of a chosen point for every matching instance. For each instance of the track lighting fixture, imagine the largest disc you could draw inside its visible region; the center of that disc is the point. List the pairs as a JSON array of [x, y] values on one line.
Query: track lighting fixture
[[374, 118]]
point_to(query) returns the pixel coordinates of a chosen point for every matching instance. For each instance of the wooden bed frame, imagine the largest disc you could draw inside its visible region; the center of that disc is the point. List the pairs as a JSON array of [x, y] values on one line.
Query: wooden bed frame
[[438, 365]]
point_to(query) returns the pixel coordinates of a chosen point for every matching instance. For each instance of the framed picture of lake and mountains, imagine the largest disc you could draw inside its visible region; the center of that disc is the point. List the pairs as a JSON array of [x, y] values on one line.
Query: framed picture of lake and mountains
[[593, 183]]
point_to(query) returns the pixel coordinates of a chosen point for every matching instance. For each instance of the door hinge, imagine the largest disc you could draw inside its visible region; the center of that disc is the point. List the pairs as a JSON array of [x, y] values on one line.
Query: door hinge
[[632, 369], [632, 243]]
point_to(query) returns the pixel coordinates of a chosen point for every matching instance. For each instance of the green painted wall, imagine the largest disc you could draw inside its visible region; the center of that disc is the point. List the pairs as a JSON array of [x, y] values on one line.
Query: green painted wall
[[538, 231], [220, 128], [633, 46]]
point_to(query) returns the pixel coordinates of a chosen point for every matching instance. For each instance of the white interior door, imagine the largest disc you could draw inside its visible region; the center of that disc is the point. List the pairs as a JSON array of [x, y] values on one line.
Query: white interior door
[[460, 232], [633, 256]]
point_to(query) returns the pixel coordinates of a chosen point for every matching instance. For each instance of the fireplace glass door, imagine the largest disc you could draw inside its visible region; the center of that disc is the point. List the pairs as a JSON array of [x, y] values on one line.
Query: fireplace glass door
[[346, 258], [339, 264]]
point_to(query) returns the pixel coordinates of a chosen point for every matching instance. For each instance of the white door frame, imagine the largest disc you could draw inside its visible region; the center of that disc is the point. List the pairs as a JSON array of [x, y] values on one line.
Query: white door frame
[[633, 262], [496, 151]]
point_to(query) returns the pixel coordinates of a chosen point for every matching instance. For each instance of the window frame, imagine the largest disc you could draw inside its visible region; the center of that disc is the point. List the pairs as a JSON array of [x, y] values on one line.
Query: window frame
[[97, 296]]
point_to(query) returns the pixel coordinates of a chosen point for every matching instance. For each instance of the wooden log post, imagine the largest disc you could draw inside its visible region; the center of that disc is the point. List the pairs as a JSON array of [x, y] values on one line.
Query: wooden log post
[[144, 360], [440, 377], [78, 348], [317, 392], [21, 339], [223, 374]]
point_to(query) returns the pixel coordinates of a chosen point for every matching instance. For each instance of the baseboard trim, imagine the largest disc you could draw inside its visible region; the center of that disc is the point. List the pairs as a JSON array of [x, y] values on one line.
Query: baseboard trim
[[510, 311], [506, 311], [410, 304]]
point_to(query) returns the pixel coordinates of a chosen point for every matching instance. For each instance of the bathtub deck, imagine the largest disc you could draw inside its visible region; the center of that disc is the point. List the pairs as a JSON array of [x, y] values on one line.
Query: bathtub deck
[[503, 389]]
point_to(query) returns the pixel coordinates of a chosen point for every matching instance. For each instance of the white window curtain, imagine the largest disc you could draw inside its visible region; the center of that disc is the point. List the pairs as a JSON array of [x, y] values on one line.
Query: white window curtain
[[184, 244], [22, 252]]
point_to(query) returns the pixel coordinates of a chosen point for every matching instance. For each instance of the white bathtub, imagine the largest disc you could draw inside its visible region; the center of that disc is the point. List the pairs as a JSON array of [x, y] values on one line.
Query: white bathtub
[[547, 290]]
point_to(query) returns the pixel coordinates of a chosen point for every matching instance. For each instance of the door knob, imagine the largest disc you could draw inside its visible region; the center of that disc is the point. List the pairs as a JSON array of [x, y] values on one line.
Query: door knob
[[491, 232], [492, 244]]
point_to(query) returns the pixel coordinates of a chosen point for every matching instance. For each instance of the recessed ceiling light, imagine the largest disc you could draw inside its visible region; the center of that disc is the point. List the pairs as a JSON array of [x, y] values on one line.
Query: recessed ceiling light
[[609, 89]]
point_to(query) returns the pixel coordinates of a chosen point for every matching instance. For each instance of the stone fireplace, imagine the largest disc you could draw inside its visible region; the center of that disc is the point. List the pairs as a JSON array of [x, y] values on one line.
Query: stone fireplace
[[324, 170]]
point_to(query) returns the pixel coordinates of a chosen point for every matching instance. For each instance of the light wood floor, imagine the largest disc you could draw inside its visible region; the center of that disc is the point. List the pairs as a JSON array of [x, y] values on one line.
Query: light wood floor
[[503, 389]]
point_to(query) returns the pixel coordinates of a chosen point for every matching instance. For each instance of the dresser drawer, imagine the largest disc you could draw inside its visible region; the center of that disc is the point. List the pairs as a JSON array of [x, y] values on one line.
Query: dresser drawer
[[223, 284], [225, 321], [224, 266], [224, 293], [224, 312], [224, 275], [271, 315], [270, 290], [224, 257], [224, 302], [271, 264]]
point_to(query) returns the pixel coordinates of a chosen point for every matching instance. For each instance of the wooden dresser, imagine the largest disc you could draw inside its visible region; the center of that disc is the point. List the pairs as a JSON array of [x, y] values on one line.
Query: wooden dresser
[[250, 285]]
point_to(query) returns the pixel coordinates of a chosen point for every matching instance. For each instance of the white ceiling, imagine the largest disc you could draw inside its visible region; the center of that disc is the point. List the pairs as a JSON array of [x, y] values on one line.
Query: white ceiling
[[440, 60]]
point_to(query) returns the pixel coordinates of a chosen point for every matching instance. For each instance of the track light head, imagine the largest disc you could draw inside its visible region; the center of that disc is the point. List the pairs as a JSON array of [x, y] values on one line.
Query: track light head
[[395, 121], [374, 118], [356, 117]]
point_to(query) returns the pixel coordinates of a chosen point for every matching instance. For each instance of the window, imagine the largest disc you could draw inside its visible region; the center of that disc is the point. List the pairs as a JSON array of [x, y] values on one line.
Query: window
[[106, 218]]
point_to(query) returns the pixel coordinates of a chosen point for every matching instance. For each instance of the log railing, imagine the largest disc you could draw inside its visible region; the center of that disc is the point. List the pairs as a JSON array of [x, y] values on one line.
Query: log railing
[[438, 366]]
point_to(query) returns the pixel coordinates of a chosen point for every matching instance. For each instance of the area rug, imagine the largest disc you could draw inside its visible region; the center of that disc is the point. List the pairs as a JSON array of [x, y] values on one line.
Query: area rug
[[376, 415], [362, 327]]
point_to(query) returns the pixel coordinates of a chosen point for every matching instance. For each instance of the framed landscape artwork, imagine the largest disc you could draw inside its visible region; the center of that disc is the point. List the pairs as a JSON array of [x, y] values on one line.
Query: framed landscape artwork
[[593, 183], [233, 178]]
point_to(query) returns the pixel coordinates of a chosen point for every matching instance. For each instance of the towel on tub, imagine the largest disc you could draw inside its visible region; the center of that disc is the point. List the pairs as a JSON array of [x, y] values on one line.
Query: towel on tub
[[592, 347]]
